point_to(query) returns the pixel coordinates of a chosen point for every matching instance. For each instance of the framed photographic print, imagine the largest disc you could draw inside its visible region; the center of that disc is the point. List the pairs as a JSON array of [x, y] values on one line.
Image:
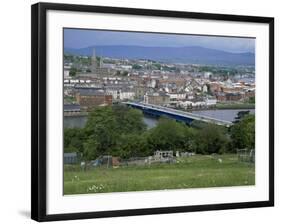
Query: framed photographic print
[[139, 111]]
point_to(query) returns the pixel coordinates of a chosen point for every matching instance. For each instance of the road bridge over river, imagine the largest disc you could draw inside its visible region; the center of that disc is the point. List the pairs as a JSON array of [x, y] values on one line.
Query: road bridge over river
[[178, 115]]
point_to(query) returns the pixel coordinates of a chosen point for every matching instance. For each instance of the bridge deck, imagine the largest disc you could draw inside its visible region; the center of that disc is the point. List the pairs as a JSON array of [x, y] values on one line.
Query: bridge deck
[[179, 113]]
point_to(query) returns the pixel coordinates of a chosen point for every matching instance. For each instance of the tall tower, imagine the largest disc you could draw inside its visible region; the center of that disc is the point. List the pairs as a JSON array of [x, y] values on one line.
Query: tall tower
[[94, 61], [101, 62]]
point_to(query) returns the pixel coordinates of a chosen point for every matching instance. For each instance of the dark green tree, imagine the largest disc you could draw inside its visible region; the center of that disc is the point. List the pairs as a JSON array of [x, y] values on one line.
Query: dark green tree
[[189, 143], [72, 71], [73, 140], [243, 133], [91, 149], [240, 115], [102, 128], [157, 65], [211, 139], [252, 100], [108, 128], [132, 145], [167, 135], [128, 120], [136, 66]]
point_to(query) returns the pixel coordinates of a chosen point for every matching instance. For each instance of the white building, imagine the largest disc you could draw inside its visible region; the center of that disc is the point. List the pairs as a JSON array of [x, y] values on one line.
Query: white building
[[66, 74], [199, 104], [152, 83], [126, 67], [211, 102], [113, 92], [108, 65], [207, 75], [185, 104], [205, 89], [121, 94], [74, 81], [177, 96], [126, 94], [190, 96]]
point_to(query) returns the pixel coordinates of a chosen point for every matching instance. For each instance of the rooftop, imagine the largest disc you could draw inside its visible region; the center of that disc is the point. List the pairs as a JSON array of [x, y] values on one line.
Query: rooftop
[[92, 92], [71, 107]]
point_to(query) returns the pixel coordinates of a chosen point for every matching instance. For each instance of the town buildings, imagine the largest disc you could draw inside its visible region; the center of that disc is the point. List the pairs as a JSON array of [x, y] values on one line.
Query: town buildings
[[104, 81]]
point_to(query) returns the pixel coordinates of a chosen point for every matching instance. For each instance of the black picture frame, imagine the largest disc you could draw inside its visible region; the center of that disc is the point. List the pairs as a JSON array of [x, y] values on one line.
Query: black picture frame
[[39, 108]]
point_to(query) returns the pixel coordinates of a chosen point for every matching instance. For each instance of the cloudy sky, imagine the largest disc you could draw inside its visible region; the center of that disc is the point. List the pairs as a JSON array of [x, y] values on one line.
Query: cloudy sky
[[79, 38]]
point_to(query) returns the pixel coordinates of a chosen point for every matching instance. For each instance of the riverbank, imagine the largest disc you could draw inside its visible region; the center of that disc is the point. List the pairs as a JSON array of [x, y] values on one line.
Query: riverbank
[[224, 106], [221, 106]]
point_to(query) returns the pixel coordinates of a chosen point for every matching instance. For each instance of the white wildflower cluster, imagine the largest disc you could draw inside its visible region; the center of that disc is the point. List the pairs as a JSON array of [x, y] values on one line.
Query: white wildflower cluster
[[95, 188]]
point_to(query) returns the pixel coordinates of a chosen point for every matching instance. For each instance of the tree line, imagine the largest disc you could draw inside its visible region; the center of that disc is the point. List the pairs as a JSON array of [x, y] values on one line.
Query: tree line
[[120, 131]]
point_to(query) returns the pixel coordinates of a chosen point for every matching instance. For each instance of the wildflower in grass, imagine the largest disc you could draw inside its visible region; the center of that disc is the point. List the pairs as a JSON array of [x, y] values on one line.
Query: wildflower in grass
[[95, 188]]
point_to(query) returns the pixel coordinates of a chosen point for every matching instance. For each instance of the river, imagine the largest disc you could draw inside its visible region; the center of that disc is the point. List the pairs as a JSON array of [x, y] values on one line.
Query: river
[[227, 115]]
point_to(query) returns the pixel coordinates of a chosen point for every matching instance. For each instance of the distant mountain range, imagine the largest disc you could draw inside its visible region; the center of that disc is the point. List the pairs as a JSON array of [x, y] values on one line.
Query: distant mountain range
[[194, 54]]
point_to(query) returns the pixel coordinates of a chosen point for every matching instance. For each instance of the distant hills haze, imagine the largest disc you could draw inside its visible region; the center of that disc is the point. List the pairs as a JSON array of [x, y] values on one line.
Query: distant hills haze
[[190, 54]]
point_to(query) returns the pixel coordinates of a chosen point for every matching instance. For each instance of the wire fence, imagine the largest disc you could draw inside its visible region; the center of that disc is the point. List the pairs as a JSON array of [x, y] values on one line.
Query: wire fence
[[246, 155]]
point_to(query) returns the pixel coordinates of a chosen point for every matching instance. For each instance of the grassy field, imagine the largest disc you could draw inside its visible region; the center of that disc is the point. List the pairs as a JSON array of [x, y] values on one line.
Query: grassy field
[[193, 172]]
